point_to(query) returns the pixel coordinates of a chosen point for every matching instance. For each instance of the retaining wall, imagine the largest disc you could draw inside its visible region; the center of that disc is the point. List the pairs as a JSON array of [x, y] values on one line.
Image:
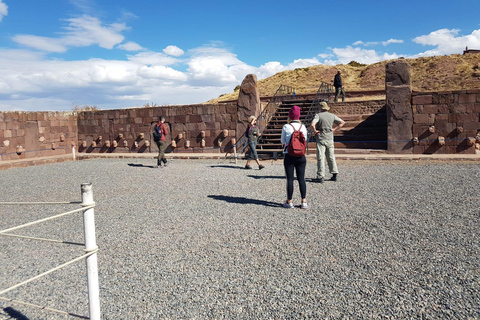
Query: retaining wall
[[446, 122], [36, 134], [193, 128]]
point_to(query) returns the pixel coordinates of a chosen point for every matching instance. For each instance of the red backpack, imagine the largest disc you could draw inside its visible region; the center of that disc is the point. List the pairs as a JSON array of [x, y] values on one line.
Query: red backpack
[[298, 144]]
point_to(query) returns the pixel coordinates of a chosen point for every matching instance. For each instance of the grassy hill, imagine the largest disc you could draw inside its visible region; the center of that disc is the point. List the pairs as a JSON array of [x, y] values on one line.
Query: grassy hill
[[439, 73]]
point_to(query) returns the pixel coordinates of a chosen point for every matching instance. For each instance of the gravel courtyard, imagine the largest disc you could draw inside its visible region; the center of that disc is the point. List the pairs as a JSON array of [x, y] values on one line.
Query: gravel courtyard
[[206, 239]]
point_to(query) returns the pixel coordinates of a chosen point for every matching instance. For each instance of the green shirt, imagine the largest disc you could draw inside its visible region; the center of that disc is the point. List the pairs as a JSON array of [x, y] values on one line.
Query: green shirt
[[323, 122]]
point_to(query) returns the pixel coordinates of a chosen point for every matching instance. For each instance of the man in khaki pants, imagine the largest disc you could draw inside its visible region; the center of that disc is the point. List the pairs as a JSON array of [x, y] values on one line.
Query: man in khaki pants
[[322, 127]]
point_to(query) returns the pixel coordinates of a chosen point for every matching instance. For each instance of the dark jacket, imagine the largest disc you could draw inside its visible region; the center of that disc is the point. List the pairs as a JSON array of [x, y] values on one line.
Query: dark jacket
[[337, 81]]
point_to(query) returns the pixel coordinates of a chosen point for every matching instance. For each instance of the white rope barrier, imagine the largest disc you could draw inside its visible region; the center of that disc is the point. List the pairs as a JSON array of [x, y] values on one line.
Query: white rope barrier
[[90, 248], [41, 239], [47, 272], [35, 203], [46, 219]]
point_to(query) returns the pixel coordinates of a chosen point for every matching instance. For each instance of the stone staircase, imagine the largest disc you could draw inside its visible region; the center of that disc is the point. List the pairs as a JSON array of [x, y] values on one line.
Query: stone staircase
[[365, 129]]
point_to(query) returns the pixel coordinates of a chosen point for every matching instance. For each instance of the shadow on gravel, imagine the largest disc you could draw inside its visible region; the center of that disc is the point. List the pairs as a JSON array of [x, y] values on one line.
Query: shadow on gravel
[[266, 177], [243, 200], [141, 165], [227, 166], [14, 314]]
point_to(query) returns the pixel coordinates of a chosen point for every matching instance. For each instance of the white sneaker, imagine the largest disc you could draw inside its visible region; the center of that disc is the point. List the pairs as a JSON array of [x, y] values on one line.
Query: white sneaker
[[288, 205], [304, 205]]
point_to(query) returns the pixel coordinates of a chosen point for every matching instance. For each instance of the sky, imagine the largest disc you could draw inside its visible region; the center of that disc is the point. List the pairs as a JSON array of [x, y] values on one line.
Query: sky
[[56, 55]]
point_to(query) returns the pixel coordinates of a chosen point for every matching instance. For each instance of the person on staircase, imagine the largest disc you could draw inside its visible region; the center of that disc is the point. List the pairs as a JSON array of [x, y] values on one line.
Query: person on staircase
[[322, 128], [293, 163], [337, 83], [252, 135]]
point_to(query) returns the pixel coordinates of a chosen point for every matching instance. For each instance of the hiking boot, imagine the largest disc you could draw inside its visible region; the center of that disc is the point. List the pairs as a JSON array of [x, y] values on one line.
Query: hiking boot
[[248, 167], [288, 205], [334, 177], [318, 180], [260, 167]]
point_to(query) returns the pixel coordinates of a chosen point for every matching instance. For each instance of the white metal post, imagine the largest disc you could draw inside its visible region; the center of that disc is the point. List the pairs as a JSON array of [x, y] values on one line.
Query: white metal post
[[91, 245]]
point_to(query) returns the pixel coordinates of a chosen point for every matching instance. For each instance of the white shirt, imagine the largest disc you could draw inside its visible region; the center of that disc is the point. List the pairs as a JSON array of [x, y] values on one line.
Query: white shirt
[[287, 131]]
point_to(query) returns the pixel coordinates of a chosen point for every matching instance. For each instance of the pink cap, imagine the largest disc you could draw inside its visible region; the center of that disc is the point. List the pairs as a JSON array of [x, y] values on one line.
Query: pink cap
[[294, 113]]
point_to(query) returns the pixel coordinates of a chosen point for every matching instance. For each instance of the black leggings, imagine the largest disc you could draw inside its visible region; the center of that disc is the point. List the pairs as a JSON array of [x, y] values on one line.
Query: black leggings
[[298, 163]]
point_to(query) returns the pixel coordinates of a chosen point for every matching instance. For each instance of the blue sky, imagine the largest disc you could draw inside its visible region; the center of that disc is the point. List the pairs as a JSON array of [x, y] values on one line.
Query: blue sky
[[58, 54]]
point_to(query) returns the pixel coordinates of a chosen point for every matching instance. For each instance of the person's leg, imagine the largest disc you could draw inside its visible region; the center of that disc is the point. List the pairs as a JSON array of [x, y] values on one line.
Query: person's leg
[[289, 168], [161, 156], [159, 159], [300, 166], [343, 94], [332, 163], [337, 92], [320, 160], [253, 154]]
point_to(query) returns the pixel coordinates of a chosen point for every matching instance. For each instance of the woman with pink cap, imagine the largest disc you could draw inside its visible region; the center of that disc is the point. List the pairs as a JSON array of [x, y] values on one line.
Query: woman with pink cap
[[294, 163]]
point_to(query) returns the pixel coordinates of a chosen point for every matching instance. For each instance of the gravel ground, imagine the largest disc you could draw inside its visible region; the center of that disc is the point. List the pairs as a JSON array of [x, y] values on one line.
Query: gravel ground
[[206, 239]]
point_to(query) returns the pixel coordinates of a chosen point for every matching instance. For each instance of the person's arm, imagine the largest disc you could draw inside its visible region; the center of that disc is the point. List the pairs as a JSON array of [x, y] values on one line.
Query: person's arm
[[283, 138], [313, 125], [339, 123]]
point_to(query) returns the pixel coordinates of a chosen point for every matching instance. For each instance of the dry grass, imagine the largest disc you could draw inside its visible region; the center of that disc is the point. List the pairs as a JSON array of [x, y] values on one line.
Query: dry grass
[[440, 73]]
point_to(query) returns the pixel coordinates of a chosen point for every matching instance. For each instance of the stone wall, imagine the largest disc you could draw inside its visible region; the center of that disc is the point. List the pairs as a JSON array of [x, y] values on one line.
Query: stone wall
[[193, 128], [446, 122], [36, 134], [429, 122]]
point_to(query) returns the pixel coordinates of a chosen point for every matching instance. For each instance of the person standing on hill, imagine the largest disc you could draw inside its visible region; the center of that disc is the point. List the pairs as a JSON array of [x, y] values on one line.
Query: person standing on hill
[[322, 127], [160, 132], [337, 83]]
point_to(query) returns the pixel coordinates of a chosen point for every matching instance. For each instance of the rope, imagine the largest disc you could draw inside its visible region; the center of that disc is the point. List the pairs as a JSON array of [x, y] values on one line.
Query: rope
[[40, 239], [47, 219], [35, 203], [48, 272], [44, 308]]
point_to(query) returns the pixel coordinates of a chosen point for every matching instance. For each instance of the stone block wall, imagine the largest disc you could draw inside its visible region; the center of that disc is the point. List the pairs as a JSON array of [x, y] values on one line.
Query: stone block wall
[[446, 122], [36, 134], [193, 128]]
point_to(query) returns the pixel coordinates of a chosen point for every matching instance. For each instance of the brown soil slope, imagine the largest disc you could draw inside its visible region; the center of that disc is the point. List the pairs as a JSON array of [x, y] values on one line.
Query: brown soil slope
[[439, 73]]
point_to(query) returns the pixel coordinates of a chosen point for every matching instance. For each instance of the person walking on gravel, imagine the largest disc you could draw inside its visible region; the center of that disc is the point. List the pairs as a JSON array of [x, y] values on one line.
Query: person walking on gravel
[[160, 132], [252, 135], [322, 128], [295, 163]]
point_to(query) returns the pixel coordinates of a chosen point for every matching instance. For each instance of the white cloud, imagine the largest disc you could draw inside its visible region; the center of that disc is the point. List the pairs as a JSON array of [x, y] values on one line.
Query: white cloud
[[390, 41], [3, 10], [130, 46], [447, 41], [40, 43], [173, 51], [214, 65], [349, 53], [161, 72], [152, 58], [81, 32], [87, 31]]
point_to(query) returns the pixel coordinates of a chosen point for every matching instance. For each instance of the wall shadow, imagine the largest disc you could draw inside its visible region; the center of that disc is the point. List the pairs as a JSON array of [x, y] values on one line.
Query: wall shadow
[[371, 133]]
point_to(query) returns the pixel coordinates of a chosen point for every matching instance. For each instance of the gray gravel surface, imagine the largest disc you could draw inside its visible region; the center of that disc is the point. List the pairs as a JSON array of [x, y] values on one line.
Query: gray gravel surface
[[206, 239]]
